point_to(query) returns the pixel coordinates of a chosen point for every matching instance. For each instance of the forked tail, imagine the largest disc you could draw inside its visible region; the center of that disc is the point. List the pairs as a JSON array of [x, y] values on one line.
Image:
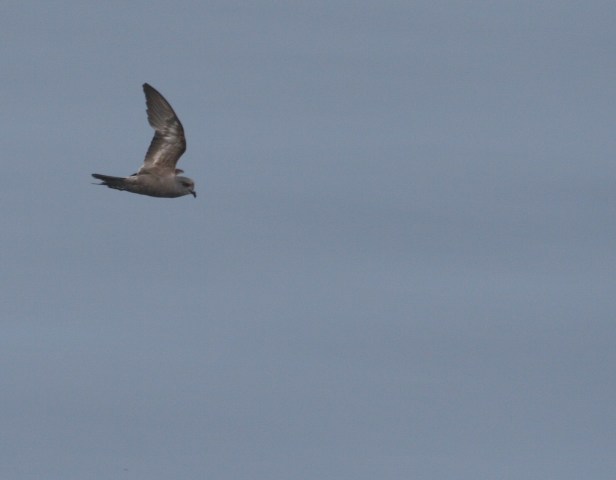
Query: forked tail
[[111, 182]]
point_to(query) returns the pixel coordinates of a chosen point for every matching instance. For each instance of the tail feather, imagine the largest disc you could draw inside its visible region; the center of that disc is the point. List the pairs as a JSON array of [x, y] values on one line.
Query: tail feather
[[111, 182]]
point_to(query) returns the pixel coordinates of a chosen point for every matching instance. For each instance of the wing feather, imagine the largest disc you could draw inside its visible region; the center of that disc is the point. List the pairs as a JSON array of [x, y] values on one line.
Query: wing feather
[[168, 143]]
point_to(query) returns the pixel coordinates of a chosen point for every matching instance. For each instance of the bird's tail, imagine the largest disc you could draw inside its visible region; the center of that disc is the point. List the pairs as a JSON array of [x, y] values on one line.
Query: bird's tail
[[112, 182]]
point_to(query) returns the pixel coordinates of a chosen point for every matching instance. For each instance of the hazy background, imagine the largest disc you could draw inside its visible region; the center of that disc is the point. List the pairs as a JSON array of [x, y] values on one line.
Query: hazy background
[[400, 263]]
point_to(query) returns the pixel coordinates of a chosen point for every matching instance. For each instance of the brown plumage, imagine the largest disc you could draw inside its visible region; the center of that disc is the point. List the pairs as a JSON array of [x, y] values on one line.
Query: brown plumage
[[158, 176]]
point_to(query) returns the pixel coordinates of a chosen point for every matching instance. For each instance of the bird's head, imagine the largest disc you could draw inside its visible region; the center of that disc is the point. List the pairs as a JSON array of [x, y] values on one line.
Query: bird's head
[[187, 186]]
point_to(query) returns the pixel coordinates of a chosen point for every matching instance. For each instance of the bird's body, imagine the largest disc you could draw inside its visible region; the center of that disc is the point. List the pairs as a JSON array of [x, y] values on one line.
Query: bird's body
[[150, 184], [158, 176]]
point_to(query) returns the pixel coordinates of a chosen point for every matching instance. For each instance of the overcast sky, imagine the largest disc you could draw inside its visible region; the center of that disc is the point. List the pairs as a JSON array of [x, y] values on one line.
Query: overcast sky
[[400, 263]]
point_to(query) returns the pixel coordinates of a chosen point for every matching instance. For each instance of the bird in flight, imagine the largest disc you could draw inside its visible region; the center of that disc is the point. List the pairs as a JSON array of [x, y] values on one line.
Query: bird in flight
[[158, 176]]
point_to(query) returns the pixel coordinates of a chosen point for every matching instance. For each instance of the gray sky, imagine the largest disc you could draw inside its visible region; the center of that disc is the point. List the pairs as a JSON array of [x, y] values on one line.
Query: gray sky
[[400, 263]]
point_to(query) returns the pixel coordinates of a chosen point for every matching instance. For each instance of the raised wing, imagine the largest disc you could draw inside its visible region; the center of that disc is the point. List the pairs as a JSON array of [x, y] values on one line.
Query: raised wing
[[168, 143]]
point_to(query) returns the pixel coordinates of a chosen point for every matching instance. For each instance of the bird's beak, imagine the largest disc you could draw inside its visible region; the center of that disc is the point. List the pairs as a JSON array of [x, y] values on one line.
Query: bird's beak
[[194, 194]]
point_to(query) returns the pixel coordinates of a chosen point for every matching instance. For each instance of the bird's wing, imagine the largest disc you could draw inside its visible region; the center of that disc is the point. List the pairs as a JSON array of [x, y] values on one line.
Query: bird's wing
[[168, 143]]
